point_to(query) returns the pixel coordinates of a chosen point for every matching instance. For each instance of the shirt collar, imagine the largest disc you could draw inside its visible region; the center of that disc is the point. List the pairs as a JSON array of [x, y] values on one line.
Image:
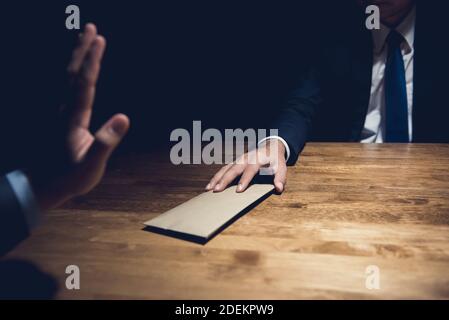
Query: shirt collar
[[406, 29]]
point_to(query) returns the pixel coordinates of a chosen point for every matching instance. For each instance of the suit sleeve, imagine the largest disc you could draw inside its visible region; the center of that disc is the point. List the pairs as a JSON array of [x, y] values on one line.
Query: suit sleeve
[[295, 119], [13, 222]]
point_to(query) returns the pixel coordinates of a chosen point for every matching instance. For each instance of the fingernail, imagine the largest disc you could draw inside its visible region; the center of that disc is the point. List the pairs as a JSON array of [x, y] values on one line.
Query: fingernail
[[208, 186], [217, 187], [240, 187], [118, 127]]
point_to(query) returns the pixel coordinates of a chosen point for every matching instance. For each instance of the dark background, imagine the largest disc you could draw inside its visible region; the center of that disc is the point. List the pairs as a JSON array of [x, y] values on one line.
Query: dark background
[[227, 63]]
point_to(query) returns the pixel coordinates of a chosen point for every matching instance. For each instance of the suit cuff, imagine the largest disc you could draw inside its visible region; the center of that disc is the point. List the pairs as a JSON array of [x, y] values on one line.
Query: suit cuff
[[25, 196], [287, 148]]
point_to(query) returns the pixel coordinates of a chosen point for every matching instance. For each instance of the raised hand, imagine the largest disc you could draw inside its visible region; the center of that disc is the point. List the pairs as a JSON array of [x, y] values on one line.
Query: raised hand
[[86, 153]]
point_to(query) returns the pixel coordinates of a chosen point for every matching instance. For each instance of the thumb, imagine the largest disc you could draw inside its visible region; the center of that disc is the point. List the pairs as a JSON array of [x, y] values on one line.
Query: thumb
[[280, 177], [107, 138]]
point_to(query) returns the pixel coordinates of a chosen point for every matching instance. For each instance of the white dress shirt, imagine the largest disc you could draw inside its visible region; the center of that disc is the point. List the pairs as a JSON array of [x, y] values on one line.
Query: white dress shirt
[[374, 128]]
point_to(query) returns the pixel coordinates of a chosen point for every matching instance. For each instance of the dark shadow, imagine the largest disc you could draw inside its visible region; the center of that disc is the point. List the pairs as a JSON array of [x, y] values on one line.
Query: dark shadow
[[203, 241], [177, 235], [21, 279]]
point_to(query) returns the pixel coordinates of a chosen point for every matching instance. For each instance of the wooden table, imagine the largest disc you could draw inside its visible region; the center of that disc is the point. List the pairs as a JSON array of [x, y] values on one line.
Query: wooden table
[[346, 207]]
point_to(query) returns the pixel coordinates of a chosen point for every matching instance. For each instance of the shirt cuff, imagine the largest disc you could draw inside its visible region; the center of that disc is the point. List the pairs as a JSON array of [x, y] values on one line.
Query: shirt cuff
[[287, 148], [25, 196]]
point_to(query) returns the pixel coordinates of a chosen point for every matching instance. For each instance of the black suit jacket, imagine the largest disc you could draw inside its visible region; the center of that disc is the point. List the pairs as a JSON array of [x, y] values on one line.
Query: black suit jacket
[[331, 100], [13, 227]]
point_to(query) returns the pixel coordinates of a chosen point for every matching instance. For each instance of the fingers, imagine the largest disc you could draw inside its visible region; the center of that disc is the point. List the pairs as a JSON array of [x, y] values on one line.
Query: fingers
[[247, 176], [280, 177], [213, 182], [249, 169], [229, 176], [84, 43], [107, 139], [90, 68], [85, 83]]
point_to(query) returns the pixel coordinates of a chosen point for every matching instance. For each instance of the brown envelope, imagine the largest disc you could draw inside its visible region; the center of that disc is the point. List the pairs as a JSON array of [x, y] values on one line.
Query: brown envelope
[[203, 216]]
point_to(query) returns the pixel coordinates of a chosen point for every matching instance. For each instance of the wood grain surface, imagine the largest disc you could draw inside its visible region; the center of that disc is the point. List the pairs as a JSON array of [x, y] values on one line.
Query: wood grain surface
[[346, 207]]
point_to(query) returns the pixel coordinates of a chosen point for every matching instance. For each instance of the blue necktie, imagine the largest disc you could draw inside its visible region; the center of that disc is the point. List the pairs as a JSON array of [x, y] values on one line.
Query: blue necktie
[[395, 92]]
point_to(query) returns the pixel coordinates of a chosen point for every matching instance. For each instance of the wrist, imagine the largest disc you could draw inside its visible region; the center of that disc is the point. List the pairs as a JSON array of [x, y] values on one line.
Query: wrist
[[47, 193], [275, 146]]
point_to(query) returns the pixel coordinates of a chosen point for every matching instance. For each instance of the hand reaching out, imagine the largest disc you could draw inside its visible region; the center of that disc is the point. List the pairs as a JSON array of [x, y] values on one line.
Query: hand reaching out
[[270, 156]]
